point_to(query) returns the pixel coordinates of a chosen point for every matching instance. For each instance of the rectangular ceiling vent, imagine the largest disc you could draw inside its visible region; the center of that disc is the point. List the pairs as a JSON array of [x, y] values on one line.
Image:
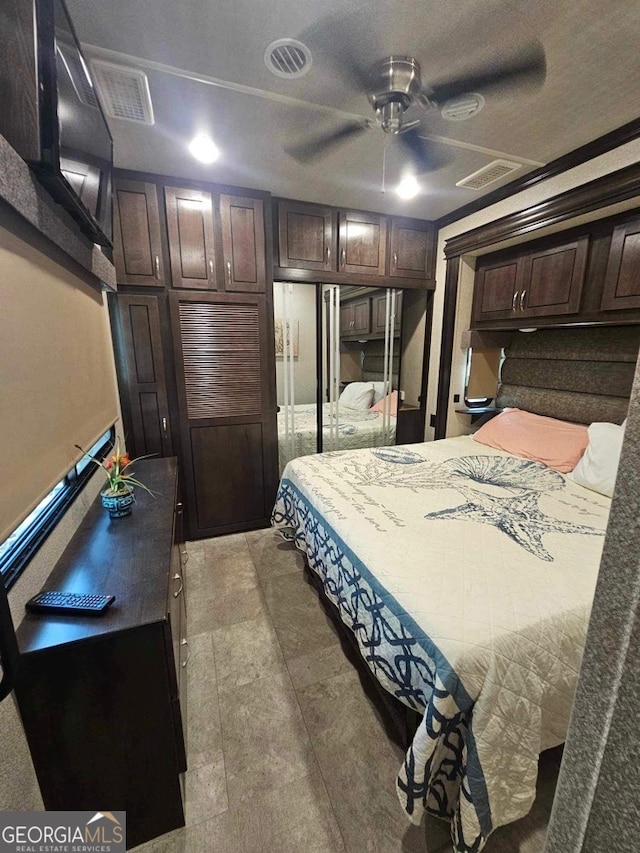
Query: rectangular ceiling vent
[[124, 92], [488, 174]]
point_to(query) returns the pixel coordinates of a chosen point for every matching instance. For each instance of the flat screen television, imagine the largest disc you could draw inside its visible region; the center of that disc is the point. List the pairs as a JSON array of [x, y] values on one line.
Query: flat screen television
[[76, 148]]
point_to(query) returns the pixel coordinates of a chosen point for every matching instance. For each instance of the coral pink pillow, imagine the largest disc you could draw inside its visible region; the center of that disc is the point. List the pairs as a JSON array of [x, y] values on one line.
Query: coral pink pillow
[[393, 400], [557, 444]]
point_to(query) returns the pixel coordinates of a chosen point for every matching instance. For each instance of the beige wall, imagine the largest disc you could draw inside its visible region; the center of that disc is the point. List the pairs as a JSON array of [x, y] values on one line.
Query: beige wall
[[625, 155], [18, 784], [302, 307]]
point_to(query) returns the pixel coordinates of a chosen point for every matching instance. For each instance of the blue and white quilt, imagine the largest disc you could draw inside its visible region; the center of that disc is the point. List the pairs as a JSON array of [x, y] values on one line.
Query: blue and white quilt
[[467, 576]]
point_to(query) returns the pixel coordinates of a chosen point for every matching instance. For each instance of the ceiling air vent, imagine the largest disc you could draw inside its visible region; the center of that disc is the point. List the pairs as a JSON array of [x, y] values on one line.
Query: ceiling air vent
[[124, 91], [287, 58], [488, 174]]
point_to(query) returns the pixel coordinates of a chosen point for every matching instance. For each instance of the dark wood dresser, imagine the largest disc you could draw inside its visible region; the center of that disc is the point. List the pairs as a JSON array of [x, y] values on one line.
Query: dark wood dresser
[[102, 699]]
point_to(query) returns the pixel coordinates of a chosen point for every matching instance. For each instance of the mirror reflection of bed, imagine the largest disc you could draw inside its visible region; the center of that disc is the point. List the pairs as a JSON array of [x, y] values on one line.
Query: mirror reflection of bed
[[338, 375]]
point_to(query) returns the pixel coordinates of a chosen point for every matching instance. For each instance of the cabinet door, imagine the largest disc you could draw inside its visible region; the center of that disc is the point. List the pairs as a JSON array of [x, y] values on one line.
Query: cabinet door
[[243, 243], [622, 279], [411, 249], [142, 376], [191, 240], [362, 243], [137, 236], [552, 280], [379, 313], [495, 290], [347, 319], [226, 397], [362, 316], [306, 236]]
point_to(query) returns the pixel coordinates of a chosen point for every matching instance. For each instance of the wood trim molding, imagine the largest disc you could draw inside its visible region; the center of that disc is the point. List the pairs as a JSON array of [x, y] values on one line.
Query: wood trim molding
[[627, 133], [446, 346], [610, 189], [333, 277]]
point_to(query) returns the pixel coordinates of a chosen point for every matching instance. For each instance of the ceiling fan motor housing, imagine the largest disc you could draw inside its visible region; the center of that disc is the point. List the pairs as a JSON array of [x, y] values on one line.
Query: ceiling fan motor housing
[[395, 83]]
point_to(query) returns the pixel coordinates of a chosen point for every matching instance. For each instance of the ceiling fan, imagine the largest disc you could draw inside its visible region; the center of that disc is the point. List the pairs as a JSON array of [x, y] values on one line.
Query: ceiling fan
[[394, 85]]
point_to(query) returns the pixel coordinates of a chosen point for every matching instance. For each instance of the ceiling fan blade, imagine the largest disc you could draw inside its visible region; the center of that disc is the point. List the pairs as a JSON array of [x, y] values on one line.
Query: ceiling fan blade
[[318, 146], [426, 156], [525, 66]]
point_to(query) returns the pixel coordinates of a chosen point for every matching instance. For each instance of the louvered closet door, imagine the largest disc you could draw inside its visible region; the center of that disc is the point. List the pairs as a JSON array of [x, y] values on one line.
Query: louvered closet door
[[226, 389]]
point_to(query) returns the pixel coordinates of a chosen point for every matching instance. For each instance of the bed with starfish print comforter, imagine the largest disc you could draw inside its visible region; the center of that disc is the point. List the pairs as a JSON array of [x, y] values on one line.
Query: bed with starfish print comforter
[[467, 576]]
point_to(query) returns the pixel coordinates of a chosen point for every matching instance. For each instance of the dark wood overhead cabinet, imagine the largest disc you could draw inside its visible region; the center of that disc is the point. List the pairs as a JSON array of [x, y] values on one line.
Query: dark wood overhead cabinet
[[137, 234], [243, 244], [191, 238], [412, 249], [306, 236], [362, 243], [541, 283], [622, 279]]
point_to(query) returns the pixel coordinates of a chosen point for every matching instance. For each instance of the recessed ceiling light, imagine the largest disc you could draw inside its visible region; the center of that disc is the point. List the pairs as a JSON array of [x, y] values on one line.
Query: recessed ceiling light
[[203, 148], [408, 187]]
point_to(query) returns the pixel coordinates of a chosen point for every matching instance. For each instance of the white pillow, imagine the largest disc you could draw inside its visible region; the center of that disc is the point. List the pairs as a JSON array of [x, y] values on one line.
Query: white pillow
[[378, 392], [357, 395], [598, 466]]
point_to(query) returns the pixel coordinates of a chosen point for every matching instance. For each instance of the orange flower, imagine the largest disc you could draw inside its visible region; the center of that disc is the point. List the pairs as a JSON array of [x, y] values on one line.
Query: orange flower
[[124, 460], [108, 464]]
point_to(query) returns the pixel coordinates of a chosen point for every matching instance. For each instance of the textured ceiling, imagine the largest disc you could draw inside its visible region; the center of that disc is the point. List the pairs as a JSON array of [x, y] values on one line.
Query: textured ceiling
[[592, 87]]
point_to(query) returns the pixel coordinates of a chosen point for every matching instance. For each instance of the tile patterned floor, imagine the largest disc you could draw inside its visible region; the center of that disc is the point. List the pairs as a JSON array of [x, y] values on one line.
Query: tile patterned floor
[[286, 753]]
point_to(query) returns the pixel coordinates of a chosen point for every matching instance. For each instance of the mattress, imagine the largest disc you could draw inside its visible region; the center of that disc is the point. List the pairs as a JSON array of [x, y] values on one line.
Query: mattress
[[355, 429], [467, 576]]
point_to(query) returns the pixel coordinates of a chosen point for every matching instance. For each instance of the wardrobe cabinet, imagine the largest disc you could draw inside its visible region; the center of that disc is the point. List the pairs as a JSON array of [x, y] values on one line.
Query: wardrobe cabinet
[[243, 243], [141, 370], [362, 243], [545, 282], [227, 409], [137, 234], [191, 238], [412, 249], [306, 236], [622, 278]]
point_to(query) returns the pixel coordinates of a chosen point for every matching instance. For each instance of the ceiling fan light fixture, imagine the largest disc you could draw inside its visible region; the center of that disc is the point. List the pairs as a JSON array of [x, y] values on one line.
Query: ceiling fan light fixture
[[204, 149], [462, 108], [408, 187]]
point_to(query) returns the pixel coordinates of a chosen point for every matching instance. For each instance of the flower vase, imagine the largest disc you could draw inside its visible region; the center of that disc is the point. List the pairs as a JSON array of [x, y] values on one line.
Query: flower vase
[[118, 503]]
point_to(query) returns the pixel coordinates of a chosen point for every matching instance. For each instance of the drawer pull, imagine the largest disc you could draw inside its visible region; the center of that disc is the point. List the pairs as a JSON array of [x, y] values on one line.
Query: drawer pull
[[515, 299], [178, 577], [179, 508], [185, 557], [185, 642], [522, 296]]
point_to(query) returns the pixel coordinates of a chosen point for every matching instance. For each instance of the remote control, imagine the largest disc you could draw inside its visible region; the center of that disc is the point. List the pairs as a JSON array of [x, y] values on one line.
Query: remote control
[[73, 603]]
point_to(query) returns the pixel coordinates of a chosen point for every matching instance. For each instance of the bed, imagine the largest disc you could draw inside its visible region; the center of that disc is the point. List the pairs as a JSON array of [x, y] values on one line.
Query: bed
[[466, 575], [356, 429]]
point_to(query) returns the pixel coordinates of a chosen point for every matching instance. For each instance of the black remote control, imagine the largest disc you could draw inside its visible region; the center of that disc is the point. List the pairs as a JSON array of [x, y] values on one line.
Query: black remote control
[[73, 603]]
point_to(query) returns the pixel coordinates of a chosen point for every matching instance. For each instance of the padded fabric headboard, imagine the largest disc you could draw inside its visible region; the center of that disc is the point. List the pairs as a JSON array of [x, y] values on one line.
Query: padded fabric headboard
[[373, 362], [580, 374]]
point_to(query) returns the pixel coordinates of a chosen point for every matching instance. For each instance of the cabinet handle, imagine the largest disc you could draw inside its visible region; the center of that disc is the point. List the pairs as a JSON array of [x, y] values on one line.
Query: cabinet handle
[[210, 267], [157, 260], [343, 257], [185, 642], [515, 299], [229, 271], [522, 296], [395, 260], [328, 255], [179, 508], [185, 557], [178, 577], [164, 425]]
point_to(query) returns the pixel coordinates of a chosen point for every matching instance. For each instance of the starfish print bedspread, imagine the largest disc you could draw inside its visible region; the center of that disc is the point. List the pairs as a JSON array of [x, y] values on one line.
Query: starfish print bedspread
[[467, 576]]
